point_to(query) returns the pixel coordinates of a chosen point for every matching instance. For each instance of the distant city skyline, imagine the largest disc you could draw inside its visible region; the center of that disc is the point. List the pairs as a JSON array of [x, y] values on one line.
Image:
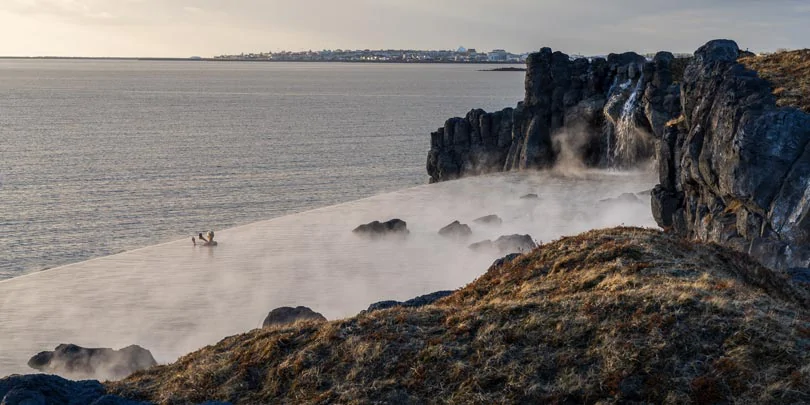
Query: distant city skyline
[[183, 28]]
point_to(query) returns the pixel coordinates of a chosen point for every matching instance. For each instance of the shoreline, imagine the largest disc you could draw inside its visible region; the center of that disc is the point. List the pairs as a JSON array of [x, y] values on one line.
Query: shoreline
[[168, 59]]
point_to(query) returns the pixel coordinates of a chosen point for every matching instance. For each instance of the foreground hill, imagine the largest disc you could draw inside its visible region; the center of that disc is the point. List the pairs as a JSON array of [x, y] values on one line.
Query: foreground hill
[[623, 314]]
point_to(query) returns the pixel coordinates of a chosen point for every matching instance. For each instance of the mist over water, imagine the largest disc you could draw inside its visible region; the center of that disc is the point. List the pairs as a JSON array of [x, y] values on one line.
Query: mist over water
[[175, 298], [99, 157]]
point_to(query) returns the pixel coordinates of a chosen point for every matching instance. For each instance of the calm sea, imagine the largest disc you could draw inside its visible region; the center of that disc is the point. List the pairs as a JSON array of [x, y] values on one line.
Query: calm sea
[[99, 157]]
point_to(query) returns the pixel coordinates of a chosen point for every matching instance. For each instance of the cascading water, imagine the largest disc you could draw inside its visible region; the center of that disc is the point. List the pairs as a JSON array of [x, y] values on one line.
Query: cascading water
[[626, 128], [615, 93]]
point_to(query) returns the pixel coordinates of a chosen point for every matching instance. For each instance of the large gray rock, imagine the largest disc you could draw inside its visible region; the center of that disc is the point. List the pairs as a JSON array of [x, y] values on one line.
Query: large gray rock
[[417, 302], [489, 220], [36, 389], [735, 169], [74, 361], [378, 229], [505, 245], [456, 230], [289, 315]]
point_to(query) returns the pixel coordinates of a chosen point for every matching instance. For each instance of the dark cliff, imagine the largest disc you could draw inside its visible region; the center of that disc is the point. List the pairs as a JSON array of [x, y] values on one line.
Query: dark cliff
[[735, 169], [603, 112]]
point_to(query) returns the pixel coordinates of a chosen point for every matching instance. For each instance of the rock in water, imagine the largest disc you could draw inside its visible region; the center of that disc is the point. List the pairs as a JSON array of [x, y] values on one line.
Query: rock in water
[[489, 220], [530, 197], [515, 244], [44, 389], [456, 230], [505, 245], [377, 229], [419, 301], [74, 361], [289, 315]]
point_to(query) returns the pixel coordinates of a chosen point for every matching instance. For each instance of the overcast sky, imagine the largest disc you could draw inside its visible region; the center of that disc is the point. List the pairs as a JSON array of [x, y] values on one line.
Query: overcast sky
[[212, 27]]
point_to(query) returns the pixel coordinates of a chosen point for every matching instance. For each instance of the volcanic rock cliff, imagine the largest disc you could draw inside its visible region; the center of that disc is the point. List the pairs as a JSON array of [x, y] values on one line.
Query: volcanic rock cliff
[[603, 112], [735, 168]]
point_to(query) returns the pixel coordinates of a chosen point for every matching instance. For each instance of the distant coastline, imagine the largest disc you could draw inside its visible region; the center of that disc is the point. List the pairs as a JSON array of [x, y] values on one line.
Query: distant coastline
[[124, 58]]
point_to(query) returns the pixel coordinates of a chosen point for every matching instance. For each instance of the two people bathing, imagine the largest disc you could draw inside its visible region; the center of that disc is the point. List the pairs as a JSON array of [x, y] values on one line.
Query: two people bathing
[[207, 240]]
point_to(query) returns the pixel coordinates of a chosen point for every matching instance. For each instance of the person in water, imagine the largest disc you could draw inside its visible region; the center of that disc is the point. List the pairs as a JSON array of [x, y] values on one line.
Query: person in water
[[208, 240]]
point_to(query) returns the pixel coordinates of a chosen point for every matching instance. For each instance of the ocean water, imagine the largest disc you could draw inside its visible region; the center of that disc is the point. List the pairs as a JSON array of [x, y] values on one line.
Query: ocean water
[[174, 298], [100, 157]]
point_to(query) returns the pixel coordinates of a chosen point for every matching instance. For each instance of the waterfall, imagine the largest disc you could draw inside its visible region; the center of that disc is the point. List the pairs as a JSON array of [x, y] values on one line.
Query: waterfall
[[615, 93], [625, 129]]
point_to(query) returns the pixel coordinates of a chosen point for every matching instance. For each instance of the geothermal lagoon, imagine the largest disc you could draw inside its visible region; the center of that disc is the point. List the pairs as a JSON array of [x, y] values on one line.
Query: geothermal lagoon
[[174, 298]]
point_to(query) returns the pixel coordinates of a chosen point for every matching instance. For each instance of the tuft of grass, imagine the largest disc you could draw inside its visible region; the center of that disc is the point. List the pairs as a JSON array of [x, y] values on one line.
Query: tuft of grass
[[608, 316], [789, 75]]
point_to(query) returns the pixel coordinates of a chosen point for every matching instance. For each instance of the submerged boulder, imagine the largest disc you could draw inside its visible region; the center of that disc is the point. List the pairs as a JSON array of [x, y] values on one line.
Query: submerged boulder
[[289, 315], [505, 244], [489, 220], [74, 361], [456, 230], [376, 228]]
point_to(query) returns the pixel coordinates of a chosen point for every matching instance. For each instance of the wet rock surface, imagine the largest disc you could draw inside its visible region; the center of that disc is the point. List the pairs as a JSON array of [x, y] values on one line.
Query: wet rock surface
[[489, 220], [456, 230], [506, 244], [289, 315], [74, 361], [379, 229]]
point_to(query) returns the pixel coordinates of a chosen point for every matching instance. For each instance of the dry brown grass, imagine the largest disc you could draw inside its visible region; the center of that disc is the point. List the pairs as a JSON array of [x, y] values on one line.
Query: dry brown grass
[[608, 316], [789, 74]]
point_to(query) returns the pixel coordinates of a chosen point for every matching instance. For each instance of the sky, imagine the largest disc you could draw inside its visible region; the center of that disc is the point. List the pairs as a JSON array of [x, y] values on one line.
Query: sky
[[183, 28]]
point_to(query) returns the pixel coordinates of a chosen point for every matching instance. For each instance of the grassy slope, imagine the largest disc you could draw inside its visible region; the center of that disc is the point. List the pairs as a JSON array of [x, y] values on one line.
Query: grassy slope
[[789, 74], [610, 315]]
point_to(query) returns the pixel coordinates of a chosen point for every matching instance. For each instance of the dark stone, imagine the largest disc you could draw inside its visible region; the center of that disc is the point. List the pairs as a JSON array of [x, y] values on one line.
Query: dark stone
[[74, 361], [378, 229], [417, 302], [48, 389], [734, 170], [489, 220], [515, 243], [530, 197], [290, 315], [505, 245], [456, 230]]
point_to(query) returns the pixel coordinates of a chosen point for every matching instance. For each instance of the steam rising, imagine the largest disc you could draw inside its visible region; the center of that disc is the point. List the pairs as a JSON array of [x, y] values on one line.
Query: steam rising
[[175, 298]]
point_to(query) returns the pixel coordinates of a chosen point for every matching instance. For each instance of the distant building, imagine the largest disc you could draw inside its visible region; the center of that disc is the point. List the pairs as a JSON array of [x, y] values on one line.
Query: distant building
[[497, 55]]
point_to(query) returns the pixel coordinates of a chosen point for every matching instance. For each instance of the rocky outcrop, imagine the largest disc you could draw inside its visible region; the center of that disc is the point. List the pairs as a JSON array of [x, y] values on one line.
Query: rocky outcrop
[[603, 112], [456, 230], [735, 169], [44, 389], [505, 245], [489, 220], [74, 361], [417, 302], [378, 229], [290, 315]]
